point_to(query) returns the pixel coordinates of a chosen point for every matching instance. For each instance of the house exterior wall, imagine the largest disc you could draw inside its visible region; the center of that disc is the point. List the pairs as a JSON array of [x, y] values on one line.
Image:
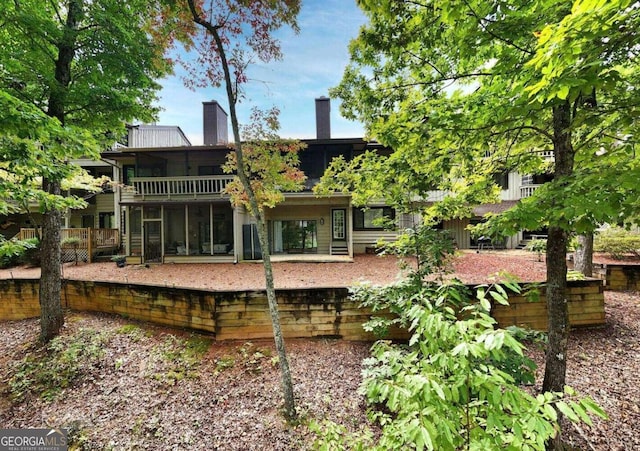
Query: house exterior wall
[[156, 136]]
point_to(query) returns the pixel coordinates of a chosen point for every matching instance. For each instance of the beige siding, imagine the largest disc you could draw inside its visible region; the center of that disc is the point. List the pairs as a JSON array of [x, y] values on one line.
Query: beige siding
[[513, 192], [459, 232], [369, 239], [104, 203]]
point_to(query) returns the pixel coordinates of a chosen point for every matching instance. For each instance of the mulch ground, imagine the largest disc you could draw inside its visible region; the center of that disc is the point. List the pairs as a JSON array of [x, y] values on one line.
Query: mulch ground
[[139, 394]]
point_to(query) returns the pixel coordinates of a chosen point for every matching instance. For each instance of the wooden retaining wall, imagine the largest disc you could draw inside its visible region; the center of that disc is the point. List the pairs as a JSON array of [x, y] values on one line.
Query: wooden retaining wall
[[618, 277], [586, 307], [304, 313]]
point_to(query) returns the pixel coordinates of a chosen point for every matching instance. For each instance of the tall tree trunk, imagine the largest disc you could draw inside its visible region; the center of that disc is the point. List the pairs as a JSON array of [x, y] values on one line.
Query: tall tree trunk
[[583, 256], [558, 315], [557, 307], [51, 317], [285, 372], [258, 213]]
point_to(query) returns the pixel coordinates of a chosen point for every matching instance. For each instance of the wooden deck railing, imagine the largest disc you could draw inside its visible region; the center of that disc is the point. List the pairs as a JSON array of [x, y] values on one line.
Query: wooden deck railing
[[527, 190], [180, 186], [91, 240]]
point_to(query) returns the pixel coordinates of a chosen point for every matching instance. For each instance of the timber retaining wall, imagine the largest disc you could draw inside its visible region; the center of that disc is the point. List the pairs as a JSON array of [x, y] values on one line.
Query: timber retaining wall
[[304, 313], [618, 277]]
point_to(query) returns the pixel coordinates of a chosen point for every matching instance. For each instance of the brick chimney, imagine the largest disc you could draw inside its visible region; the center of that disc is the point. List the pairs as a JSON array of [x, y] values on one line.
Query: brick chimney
[[214, 124], [323, 118]]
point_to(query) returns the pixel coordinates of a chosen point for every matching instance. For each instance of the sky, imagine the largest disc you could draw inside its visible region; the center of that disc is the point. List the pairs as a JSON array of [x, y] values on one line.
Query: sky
[[313, 62]]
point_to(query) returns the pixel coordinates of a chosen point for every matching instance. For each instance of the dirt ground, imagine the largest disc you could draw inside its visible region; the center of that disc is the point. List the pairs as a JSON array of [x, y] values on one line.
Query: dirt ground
[[470, 267], [140, 394]]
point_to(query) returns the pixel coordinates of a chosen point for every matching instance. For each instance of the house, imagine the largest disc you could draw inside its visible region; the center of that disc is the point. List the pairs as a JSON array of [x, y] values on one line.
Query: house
[[169, 206], [173, 209]]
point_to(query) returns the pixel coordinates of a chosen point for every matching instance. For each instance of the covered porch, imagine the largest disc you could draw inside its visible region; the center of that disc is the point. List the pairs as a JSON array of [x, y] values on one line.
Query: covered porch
[[179, 232]]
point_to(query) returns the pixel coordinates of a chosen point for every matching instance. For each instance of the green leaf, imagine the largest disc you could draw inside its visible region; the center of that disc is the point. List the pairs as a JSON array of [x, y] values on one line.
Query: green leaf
[[567, 411]]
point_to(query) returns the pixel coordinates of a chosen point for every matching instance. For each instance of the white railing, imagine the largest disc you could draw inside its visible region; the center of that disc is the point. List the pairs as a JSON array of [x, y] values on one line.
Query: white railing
[[527, 190], [180, 186]]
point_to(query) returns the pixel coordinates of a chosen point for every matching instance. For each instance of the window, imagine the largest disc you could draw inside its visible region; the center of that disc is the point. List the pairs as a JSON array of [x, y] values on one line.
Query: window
[[210, 170], [295, 237], [501, 179], [128, 172], [371, 218]]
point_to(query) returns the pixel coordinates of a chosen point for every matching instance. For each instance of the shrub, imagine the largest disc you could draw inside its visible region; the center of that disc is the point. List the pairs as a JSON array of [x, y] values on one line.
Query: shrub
[[455, 385], [537, 246], [14, 252], [617, 242]]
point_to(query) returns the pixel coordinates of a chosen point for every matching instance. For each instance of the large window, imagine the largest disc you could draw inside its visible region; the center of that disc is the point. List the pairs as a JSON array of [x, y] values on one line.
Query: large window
[[372, 217], [295, 237], [501, 179]]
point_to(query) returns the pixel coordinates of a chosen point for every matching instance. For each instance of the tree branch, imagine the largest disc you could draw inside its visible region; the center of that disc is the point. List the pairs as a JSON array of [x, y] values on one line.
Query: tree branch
[[491, 33]]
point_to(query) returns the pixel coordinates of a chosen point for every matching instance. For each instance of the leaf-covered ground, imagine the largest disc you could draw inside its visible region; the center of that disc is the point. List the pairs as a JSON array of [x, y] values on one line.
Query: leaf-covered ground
[[117, 384]]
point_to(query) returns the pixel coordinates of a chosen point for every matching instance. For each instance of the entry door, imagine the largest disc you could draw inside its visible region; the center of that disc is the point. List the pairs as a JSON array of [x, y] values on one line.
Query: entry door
[[339, 224], [152, 241]]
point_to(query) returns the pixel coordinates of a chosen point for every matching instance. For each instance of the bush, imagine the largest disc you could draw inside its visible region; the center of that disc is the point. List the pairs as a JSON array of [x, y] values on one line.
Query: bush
[[618, 243], [14, 252], [537, 246], [457, 383]]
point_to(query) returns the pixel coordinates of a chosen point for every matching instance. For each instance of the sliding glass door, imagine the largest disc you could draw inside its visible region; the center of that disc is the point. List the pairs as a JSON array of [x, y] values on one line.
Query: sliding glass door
[[295, 236]]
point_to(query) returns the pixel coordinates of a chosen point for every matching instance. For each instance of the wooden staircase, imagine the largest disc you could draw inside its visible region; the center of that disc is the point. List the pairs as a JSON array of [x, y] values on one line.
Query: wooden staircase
[[339, 248]]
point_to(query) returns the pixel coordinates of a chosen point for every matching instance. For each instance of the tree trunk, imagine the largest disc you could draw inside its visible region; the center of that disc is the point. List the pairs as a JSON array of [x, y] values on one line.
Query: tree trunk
[[558, 315], [258, 214], [51, 317], [557, 307], [285, 372], [583, 256]]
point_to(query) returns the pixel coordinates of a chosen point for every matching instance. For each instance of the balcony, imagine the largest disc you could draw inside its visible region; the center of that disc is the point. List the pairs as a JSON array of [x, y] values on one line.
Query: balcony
[[527, 190], [179, 187]]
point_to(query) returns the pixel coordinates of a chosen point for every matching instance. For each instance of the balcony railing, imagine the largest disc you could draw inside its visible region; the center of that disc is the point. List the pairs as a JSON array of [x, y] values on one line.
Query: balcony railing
[[527, 190], [180, 186]]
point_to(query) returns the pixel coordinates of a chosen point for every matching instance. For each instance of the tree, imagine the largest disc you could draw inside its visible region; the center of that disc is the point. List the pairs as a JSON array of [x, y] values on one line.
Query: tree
[[583, 255], [465, 89], [90, 66], [227, 36]]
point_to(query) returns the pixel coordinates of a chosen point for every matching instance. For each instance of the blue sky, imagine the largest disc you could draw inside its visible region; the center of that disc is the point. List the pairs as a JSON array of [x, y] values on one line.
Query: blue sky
[[313, 62]]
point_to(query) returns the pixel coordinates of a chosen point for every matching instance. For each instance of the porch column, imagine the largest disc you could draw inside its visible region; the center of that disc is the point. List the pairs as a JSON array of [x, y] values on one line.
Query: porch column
[[211, 228]]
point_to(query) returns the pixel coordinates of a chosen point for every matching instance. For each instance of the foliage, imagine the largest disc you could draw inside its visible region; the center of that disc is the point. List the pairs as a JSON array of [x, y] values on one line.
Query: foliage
[[431, 248], [538, 246], [176, 359], [456, 384], [114, 66], [575, 275], [617, 242], [48, 371], [249, 357], [14, 251], [463, 82], [271, 163]]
